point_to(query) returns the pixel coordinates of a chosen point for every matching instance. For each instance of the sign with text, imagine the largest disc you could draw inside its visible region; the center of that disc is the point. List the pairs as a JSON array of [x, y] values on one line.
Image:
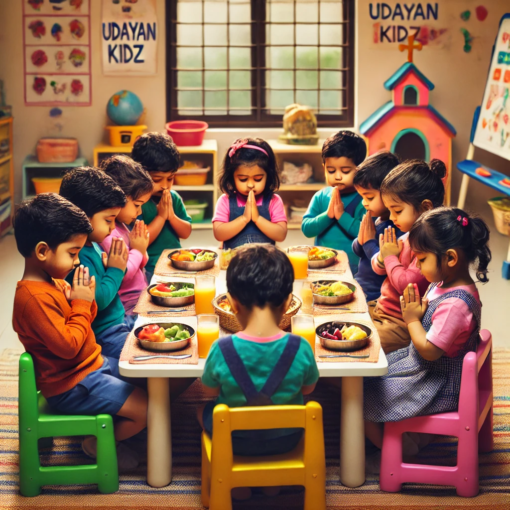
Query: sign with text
[[129, 35]]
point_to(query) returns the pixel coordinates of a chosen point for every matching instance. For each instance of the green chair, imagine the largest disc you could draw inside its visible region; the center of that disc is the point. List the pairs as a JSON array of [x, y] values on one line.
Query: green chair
[[36, 422]]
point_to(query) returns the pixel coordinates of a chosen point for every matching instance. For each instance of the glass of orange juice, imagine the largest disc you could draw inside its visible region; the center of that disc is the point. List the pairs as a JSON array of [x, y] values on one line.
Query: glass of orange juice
[[205, 292], [298, 256], [208, 331], [304, 325]]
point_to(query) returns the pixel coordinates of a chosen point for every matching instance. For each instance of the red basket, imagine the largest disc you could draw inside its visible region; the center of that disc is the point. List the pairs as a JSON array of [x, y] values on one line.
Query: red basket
[[187, 132]]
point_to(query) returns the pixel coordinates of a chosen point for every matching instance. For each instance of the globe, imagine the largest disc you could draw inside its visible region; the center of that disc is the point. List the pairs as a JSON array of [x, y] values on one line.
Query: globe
[[124, 108]]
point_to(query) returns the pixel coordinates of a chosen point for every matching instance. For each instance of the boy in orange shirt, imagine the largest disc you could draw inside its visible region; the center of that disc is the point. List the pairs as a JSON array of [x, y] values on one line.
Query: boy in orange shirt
[[53, 322]]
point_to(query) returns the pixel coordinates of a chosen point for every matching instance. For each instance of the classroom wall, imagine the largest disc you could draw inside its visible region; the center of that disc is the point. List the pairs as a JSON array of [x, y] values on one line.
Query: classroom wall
[[459, 78]]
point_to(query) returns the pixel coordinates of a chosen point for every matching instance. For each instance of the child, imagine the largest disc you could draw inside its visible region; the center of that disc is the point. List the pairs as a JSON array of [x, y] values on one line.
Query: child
[[424, 378], [259, 283], [53, 321], [165, 214], [367, 181], [101, 199], [249, 211], [407, 191], [136, 184], [334, 214]]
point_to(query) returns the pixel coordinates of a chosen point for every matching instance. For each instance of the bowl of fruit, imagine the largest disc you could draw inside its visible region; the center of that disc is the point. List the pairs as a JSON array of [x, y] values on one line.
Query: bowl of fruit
[[167, 336], [332, 293], [343, 336], [172, 294], [319, 258], [195, 259]]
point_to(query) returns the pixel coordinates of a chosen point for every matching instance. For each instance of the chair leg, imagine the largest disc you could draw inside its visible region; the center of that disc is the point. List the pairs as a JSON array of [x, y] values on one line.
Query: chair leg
[[486, 435], [221, 498], [206, 479], [107, 468], [391, 460], [315, 493], [467, 462], [29, 463]]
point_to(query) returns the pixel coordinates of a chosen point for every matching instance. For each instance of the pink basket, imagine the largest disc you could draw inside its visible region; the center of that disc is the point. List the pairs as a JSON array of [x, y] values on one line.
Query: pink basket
[[187, 132]]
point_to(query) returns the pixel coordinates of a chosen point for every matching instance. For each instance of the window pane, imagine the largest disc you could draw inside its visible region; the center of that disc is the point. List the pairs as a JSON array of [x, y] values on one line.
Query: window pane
[[307, 57], [240, 12], [189, 57], [215, 79], [189, 99], [240, 99], [331, 79], [216, 100], [331, 11], [280, 11], [282, 57], [215, 35], [307, 79], [215, 12], [279, 99], [307, 98], [215, 58], [240, 35], [330, 99], [189, 35], [331, 34], [189, 12], [189, 79], [280, 34], [280, 79], [331, 58], [240, 79], [307, 34], [240, 58], [307, 11]]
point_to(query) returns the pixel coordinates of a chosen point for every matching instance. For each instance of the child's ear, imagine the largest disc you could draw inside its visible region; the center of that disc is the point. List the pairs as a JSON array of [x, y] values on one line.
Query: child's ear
[[233, 303], [452, 257], [287, 302], [426, 205], [41, 251]]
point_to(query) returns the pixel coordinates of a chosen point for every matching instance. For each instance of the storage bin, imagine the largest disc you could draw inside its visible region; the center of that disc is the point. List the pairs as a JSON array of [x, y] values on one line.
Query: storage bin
[[296, 214], [57, 150], [187, 133], [47, 184], [191, 176], [121, 136], [501, 209], [196, 209]]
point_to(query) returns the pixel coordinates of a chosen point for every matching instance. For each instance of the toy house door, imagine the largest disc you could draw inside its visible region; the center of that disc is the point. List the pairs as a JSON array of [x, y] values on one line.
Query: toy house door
[[411, 144]]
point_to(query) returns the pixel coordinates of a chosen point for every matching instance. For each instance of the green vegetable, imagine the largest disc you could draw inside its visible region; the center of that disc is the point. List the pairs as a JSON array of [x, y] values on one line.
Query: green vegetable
[[204, 256], [171, 332], [183, 293], [182, 335], [327, 255]]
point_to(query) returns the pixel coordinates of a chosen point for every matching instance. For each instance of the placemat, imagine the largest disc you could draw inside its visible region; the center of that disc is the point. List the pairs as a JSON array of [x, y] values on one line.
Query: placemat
[[341, 266], [132, 348], [357, 305], [145, 304], [372, 348], [165, 268]]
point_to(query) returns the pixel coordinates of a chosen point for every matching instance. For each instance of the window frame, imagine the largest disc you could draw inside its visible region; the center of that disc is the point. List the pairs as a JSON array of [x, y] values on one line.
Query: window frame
[[259, 118]]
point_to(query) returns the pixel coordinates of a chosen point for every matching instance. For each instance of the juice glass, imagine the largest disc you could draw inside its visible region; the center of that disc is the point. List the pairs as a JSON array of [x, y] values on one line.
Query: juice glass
[[205, 292], [304, 325], [306, 295], [208, 331], [298, 257]]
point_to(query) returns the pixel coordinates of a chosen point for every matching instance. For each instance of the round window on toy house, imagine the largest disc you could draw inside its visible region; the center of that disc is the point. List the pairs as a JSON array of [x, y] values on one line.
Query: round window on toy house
[[411, 95], [410, 144]]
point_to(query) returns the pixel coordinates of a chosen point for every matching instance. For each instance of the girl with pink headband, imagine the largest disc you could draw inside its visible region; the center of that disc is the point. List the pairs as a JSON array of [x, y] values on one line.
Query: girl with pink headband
[[249, 211]]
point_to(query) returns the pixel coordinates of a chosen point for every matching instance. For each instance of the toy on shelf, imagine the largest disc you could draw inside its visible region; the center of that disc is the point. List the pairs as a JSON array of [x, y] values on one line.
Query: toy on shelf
[[124, 108], [491, 129], [409, 125], [299, 126], [57, 150]]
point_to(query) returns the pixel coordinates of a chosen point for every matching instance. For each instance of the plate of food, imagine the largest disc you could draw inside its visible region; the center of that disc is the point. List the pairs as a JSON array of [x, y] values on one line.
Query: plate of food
[[172, 294], [166, 336], [196, 259], [343, 336], [319, 258], [332, 293]]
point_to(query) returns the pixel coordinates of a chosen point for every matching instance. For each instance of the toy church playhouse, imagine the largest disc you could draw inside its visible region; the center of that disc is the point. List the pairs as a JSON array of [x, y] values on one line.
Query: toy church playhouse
[[408, 125]]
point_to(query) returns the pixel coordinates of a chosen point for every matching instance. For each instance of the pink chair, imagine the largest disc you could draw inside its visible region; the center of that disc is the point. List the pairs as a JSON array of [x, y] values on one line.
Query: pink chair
[[472, 424]]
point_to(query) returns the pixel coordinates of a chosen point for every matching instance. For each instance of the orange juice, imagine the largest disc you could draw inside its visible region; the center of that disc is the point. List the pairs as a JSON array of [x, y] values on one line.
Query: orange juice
[[307, 332], [203, 300], [208, 333], [299, 261], [307, 296]]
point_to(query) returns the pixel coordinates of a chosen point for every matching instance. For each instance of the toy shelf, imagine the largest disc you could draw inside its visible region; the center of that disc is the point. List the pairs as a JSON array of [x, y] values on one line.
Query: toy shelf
[[470, 167], [6, 175]]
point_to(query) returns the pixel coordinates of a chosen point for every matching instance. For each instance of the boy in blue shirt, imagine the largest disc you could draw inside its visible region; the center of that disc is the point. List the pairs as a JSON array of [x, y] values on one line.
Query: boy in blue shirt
[[334, 214], [99, 197], [164, 214], [367, 182]]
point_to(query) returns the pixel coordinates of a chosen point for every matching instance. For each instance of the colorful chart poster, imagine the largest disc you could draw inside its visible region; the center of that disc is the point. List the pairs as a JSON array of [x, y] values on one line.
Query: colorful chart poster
[[493, 128], [129, 35], [57, 55]]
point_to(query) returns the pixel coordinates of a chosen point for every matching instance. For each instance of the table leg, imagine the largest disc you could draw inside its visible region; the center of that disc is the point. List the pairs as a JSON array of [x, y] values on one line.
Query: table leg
[[159, 433], [352, 433]]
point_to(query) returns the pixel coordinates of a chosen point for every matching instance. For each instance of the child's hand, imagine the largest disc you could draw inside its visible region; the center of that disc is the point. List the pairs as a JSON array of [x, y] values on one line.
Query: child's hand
[[331, 206], [413, 308], [248, 208], [361, 233], [338, 206], [138, 237], [118, 256], [171, 212], [164, 205], [388, 243], [84, 287], [254, 208], [369, 227]]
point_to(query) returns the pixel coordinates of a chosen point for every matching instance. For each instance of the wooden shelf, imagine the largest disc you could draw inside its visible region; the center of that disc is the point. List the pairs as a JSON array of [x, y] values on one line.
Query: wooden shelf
[[5, 159], [316, 186], [295, 149], [205, 187], [293, 226], [202, 225]]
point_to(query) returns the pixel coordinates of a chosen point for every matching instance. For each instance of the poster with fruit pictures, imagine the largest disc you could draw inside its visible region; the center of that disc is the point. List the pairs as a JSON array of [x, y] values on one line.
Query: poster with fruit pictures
[[57, 52], [493, 128]]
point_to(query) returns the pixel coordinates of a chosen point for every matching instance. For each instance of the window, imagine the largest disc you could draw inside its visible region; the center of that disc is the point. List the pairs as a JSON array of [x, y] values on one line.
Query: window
[[241, 62], [411, 95]]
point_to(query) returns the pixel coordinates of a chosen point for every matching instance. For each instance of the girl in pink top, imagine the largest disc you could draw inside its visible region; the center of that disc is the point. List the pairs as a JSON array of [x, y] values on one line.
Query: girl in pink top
[[408, 191], [137, 186], [249, 211], [424, 378]]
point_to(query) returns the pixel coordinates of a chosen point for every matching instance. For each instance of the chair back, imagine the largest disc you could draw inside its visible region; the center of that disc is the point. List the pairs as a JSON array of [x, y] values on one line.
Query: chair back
[[27, 392]]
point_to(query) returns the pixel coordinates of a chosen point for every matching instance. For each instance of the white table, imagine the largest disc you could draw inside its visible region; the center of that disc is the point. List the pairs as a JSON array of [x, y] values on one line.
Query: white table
[[159, 447]]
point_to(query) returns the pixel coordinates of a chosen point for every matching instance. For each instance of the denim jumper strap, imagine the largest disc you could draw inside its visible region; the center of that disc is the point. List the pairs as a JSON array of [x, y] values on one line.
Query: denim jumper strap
[[351, 208], [243, 379], [415, 386], [251, 233]]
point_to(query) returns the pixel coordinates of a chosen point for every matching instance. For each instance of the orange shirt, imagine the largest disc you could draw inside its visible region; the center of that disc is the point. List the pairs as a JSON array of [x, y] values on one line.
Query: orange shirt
[[57, 334]]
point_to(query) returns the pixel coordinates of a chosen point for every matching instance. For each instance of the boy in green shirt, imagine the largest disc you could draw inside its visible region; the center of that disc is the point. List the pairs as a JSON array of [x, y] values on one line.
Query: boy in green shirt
[[335, 213], [164, 214]]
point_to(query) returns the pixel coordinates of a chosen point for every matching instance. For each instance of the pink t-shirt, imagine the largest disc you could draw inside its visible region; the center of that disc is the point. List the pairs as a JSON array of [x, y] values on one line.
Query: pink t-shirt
[[276, 208], [452, 322], [260, 339]]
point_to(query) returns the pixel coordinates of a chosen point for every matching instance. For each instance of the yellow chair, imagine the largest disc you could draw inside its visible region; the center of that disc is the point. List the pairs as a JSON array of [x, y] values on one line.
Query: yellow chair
[[305, 465]]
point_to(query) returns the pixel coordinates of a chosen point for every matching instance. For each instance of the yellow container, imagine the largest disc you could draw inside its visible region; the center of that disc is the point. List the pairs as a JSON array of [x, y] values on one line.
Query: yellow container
[[501, 209], [46, 184], [191, 177], [125, 135]]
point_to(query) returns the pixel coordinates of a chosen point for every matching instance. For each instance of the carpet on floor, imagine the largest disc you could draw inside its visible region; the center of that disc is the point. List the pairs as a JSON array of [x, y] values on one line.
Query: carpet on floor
[[184, 491]]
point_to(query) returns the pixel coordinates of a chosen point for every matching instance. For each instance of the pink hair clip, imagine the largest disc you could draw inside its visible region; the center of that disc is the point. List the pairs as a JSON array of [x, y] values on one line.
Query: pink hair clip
[[464, 220], [243, 144]]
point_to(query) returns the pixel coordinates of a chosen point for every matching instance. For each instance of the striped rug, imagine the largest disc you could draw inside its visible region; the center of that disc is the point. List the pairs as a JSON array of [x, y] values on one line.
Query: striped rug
[[184, 492]]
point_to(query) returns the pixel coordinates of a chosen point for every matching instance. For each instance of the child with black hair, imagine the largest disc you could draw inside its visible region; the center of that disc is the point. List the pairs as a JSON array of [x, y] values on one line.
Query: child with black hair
[[249, 211], [259, 283], [164, 214], [424, 378], [367, 181], [334, 214], [101, 199], [53, 322], [136, 184], [409, 190]]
